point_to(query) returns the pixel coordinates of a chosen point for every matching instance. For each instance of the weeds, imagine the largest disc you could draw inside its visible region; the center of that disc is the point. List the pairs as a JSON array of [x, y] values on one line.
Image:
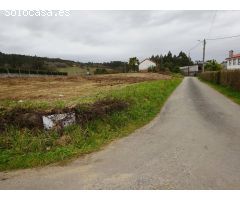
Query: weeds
[[225, 90]]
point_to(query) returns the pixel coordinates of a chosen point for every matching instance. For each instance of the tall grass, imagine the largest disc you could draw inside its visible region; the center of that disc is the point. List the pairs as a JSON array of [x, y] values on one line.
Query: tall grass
[[225, 90], [28, 148]]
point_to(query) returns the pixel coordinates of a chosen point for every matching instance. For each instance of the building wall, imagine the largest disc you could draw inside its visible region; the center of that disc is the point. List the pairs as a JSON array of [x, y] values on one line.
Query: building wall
[[233, 63], [190, 70], [146, 64]]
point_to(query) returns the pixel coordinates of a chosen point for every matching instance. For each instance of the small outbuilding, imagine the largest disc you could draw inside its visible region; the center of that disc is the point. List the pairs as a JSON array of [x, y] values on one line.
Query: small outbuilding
[[145, 64]]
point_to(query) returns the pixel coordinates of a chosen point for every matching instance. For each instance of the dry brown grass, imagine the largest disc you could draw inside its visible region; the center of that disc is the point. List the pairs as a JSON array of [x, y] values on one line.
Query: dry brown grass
[[64, 88]]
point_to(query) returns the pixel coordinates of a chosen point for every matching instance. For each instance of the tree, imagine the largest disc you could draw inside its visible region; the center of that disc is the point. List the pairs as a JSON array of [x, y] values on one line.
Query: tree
[[169, 56], [171, 62], [183, 60], [212, 65], [37, 63], [133, 64]]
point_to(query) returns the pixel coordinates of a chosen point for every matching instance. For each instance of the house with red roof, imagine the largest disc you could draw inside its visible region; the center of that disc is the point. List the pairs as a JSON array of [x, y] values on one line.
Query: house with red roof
[[233, 61]]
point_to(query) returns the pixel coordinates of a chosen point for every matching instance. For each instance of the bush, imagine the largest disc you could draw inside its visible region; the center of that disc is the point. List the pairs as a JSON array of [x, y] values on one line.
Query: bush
[[100, 71], [213, 65], [152, 69], [230, 78]]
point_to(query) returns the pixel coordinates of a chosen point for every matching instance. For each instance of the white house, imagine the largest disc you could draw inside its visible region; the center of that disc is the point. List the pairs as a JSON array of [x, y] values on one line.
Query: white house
[[145, 64], [233, 61]]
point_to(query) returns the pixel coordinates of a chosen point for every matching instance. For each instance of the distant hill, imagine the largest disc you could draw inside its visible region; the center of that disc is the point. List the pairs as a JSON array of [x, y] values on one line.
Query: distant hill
[[26, 62]]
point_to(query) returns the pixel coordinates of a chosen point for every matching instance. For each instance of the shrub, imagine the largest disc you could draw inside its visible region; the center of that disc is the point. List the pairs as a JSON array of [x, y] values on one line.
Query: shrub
[[152, 69], [212, 65], [100, 71]]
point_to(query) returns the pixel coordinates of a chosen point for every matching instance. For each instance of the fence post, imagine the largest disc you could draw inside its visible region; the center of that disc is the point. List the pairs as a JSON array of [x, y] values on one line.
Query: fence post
[[19, 72], [8, 72]]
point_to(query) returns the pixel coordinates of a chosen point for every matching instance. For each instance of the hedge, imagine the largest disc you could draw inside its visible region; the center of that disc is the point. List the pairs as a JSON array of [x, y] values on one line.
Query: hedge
[[100, 71], [230, 78], [41, 72]]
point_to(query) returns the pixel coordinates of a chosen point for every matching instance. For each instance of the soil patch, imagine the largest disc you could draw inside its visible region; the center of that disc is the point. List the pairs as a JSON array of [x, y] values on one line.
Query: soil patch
[[32, 119]]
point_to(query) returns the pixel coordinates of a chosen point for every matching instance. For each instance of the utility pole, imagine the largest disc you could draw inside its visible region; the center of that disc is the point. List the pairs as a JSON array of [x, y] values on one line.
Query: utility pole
[[161, 65], [204, 47]]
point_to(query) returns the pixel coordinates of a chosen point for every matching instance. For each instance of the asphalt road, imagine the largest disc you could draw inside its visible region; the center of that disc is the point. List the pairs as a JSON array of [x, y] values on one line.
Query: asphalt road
[[193, 144]]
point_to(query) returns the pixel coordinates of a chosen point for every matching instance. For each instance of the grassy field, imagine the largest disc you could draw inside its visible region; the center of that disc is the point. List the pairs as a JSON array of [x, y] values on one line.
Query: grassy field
[[227, 91], [23, 148], [73, 71], [76, 70]]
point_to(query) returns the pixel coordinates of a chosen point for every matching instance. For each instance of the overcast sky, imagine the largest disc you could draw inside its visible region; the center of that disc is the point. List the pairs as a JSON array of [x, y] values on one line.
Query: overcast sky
[[117, 35]]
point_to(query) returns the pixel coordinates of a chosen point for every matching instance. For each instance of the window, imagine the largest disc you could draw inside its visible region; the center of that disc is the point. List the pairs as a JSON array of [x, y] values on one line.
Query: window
[[230, 63], [238, 61], [234, 61]]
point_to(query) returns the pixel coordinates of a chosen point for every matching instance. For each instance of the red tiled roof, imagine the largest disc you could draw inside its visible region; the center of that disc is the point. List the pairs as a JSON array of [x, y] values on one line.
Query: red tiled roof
[[234, 56]]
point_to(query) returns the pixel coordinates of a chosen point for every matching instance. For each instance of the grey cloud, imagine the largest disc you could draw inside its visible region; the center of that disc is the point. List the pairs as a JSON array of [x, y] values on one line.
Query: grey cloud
[[117, 35]]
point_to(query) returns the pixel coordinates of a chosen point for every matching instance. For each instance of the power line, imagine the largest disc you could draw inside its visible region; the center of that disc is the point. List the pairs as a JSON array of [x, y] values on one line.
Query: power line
[[212, 22], [221, 38], [195, 46]]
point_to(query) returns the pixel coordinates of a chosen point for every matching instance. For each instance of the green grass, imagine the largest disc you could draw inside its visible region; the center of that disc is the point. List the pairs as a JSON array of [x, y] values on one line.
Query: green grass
[[26, 148], [75, 70], [227, 91]]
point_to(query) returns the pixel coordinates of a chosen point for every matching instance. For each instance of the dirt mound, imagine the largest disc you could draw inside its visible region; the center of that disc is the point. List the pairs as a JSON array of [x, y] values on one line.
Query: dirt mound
[[21, 118], [88, 112], [32, 119]]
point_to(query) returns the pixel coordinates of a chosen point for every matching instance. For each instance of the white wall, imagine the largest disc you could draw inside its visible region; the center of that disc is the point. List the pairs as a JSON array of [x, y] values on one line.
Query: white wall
[[193, 68], [232, 66], [146, 64]]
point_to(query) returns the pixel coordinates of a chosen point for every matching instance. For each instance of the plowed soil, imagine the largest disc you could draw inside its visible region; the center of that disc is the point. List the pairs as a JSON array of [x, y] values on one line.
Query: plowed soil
[[64, 88]]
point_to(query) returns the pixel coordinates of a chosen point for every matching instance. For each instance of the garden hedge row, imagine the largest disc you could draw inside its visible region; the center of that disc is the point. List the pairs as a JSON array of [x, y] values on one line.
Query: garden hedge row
[[230, 78]]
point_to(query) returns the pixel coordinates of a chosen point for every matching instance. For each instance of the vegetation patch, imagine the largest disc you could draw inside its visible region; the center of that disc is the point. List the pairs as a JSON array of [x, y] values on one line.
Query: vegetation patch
[[104, 121], [229, 92]]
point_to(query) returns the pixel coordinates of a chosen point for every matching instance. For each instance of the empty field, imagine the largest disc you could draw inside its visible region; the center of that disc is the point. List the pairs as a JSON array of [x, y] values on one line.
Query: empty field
[[65, 90]]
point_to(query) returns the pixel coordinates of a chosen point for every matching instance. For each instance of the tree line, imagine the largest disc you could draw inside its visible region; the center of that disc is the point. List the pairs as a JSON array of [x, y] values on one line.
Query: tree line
[[170, 62], [25, 62]]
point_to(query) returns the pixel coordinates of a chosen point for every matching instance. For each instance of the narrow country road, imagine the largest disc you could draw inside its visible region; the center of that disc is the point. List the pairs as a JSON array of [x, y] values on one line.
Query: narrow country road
[[193, 144]]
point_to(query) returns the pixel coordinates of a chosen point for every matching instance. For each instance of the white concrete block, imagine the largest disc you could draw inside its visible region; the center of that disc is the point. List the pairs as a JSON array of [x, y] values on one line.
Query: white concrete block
[[64, 119]]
